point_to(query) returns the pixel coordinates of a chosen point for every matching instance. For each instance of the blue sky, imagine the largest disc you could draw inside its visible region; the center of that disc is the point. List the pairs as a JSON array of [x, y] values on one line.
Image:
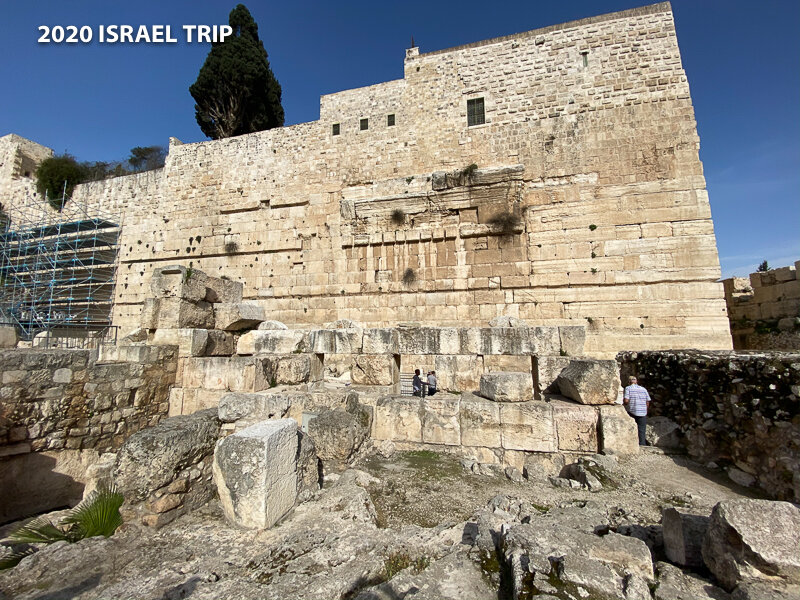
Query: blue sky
[[97, 101]]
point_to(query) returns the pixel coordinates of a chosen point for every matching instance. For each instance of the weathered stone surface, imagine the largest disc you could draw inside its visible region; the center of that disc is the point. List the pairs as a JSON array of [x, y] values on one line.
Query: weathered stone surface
[[291, 369], [541, 465], [8, 336], [440, 421], [479, 422], [674, 584], [663, 433], [576, 426], [573, 339], [380, 341], [766, 590], [308, 467], [343, 324], [617, 430], [590, 381], [398, 418], [238, 316], [507, 387], [272, 341], [137, 335], [527, 426], [458, 373], [264, 405], [375, 369], [586, 472], [255, 471], [753, 540], [177, 313], [153, 457], [176, 281], [272, 325], [506, 321], [190, 342], [337, 434], [220, 343], [546, 370], [236, 373], [336, 341], [683, 537]]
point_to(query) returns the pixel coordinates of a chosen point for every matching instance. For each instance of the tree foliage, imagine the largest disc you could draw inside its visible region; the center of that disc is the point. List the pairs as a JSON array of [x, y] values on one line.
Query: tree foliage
[[763, 267], [57, 176], [147, 158], [236, 91]]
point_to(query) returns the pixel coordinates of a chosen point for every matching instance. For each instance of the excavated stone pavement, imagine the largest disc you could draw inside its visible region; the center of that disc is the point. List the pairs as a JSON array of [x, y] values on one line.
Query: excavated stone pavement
[[405, 516]]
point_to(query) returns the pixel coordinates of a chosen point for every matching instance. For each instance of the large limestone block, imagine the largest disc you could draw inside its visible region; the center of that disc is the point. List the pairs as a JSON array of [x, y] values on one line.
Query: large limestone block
[[418, 340], [618, 433], [493, 363], [590, 381], [546, 370], [233, 374], [683, 537], [380, 341], [238, 316], [573, 338], [272, 341], [506, 321], [375, 369], [176, 313], [479, 422], [753, 540], [272, 325], [507, 387], [263, 405], [291, 369], [440, 421], [458, 373], [8, 336], [152, 457], [576, 426], [255, 471], [336, 341], [220, 343], [177, 281], [510, 340], [190, 342], [398, 418], [337, 434], [528, 426], [219, 289]]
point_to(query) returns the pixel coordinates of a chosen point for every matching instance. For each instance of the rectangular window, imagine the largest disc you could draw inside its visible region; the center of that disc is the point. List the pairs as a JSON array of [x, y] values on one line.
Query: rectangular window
[[585, 56], [390, 121], [475, 114], [336, 129], [364, 124]]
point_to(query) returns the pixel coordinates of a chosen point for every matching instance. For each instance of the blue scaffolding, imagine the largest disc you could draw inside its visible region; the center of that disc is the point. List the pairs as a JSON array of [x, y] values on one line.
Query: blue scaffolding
[[57, 270]]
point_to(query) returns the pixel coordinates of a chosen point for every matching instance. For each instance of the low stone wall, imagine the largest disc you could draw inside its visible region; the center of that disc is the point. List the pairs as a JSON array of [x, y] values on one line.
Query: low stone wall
[[56, 399], [740, 410]]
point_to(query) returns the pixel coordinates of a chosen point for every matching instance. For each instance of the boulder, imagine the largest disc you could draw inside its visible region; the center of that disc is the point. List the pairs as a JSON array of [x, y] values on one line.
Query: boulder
[[255, 471], [664, 433], [151, 458], [291, 369], [674, 584], [8, 336], [308, 467], [271, 325], [683, 537], [238, 316], [338, 434], [586, 472], [506, 321], [262, 406], [507, 386], [590, 381], [766, 590], [618, 433], [753, 540]]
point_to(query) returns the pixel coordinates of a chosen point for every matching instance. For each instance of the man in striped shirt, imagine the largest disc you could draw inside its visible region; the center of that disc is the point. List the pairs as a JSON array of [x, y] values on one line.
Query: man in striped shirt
[[637, 401]]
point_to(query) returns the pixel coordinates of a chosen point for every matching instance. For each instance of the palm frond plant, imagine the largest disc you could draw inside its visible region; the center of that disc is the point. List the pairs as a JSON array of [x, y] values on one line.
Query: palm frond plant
[[95, 516]]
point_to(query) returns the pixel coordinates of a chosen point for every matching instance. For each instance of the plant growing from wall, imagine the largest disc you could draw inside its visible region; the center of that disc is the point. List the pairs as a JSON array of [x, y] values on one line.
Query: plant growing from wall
[[506, 222], [236, 91], [469, 171], [398, 217], [56, 178], [763, 267], [97, 515], [409, 277], [231, 247]]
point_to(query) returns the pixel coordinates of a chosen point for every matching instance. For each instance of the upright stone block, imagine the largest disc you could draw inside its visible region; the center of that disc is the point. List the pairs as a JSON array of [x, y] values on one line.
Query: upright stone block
[[190, 342], [375, 369], [255, 471], [618, 433], [238, 316], [8, 336], [479, 422], [398, 418], [683, 537], [176, 313], [590, 381], [380, 341], [336, 341], [573, 338], [528, 426], [440, 421], [546, 370], [576, 426]]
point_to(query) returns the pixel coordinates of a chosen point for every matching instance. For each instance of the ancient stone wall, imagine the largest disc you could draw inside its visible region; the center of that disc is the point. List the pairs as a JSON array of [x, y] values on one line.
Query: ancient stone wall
[[764, 310], [589, 143], [18, 161], [739, 410]]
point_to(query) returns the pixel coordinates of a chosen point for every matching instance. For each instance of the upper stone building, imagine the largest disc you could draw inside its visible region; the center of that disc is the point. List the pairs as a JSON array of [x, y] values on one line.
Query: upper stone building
[[551, 175]]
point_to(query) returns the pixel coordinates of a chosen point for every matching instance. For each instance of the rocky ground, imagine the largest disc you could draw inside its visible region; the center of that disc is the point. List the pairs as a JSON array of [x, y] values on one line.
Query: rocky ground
[[411, 525]]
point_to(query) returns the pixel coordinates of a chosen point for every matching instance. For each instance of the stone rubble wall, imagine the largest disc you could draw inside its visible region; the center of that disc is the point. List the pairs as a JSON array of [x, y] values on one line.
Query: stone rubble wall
[[590, 138], [739, 410], [67, 399], [764, 310]]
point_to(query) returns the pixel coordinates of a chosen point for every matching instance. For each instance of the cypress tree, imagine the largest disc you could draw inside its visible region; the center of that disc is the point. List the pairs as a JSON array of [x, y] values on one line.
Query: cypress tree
[[236, 91]]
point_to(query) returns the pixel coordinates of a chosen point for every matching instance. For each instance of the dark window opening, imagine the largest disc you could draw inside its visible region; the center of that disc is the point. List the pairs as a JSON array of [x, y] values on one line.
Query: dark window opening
[[390, 120], [585, 56], [475, 112], [336, 129], [364, 124]]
